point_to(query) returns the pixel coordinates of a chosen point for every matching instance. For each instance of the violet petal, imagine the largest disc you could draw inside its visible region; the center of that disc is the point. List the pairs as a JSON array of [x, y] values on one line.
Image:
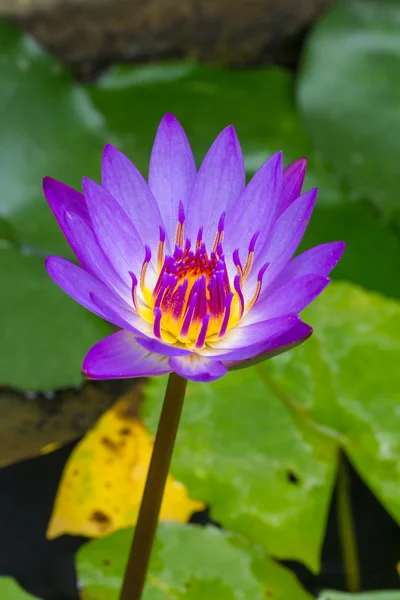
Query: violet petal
[[292, 297], [255, 208], [275, 346], [219, 183], [237, 344], [172, 172], [292, 182], [91, 256], [285, 237], [197, 368], [153, 345], [125, 183], [80, 285], [114, 230], [120, 356], [320, 259]]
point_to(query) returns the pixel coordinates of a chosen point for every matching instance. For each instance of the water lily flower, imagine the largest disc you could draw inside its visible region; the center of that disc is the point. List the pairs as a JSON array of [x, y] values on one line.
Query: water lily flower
[[194, 267]]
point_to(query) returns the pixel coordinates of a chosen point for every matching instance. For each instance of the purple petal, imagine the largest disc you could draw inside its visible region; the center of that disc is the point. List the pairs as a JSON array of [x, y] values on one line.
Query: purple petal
[[120, 356], [90, 255], [285, 237], [197, 368], [320, 259], [219, 183], [121, 317], [256, 207], [290, 298], [287, 341], [124, 182], [81, 286], [114, 231], [62, 198], [153, 345], [293, 178], [70, 210], [239, 342], [172, 171]]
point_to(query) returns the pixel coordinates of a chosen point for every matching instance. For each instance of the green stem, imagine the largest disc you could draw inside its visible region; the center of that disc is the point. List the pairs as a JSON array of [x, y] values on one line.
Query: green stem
[[347, 532], [146, 525]]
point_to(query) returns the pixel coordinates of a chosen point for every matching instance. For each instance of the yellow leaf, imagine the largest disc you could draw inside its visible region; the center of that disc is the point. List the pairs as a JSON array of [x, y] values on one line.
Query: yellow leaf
[[103, 482]]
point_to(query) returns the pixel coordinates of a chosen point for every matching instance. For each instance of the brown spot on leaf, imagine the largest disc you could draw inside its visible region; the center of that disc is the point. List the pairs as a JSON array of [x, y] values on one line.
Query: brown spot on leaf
[[109, 444], [101, 518], [107, 562], [125, 431]]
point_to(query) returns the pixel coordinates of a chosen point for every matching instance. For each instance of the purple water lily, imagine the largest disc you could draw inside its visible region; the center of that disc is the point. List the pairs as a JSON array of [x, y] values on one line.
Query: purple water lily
[[195, 267]]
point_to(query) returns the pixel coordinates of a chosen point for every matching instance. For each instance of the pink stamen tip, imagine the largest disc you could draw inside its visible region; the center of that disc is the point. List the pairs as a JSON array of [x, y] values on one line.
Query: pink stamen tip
[[236, 283], [178, 253], [147, 255], [236, 260], [203, 332], [157, 322], [200, 235], [227, 314], [162, 234], [262, 271], [220, 251], [221, 222], [181, 213], [134, 285], [187, 245], [134, 279], [253, 242]]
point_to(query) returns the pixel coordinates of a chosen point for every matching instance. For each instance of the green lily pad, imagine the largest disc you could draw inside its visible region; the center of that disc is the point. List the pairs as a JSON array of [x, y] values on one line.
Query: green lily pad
[[380, 595], [189, 563], [45, 334], [48, 127], [349, 95], [260, 445], [10, 590]]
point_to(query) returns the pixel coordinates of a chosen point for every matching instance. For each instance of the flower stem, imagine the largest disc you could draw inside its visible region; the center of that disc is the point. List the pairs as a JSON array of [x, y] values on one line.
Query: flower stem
[[146, 525], [347, 532]]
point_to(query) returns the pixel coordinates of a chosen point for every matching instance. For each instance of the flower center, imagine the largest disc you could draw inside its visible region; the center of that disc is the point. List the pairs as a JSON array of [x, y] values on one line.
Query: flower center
[[194, 301]]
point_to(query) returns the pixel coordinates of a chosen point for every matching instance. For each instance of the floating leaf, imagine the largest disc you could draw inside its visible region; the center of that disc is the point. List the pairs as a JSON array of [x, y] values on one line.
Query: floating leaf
[[48, 127], [103, 481], [351, 105], [189, 563], [34, 424], [10, 590], [44, 334], [260, 444]]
